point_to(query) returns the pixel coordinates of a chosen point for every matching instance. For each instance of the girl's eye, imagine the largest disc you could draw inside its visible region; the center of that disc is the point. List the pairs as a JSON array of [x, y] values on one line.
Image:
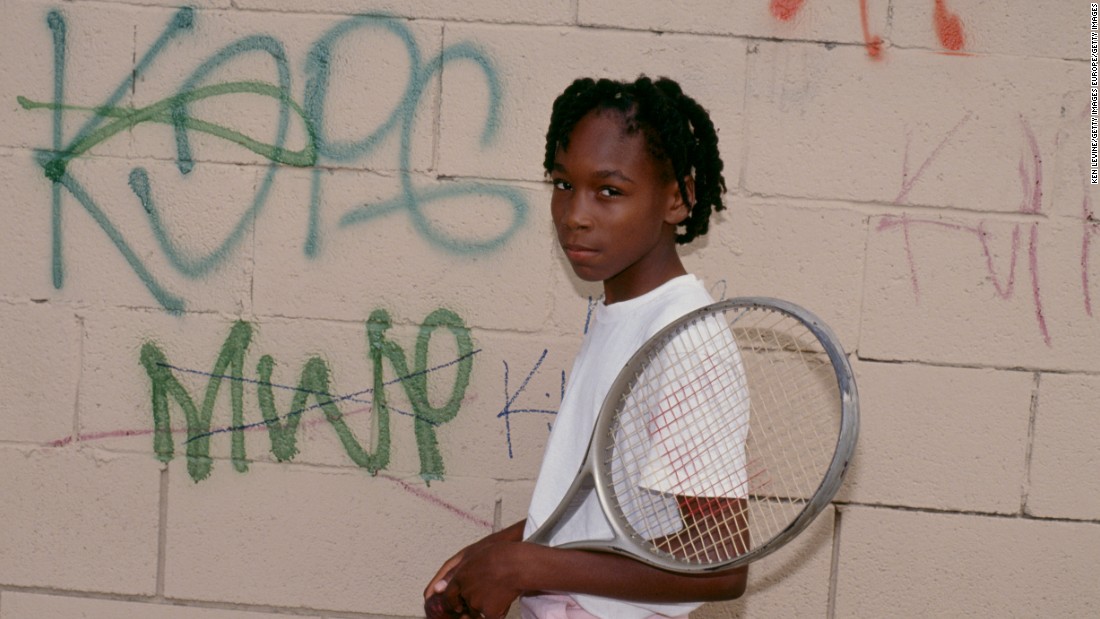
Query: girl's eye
[[608, 192], [561, 185]]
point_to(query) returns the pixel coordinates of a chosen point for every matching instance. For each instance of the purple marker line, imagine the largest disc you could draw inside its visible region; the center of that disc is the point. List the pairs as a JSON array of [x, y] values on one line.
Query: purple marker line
[[91, 436]]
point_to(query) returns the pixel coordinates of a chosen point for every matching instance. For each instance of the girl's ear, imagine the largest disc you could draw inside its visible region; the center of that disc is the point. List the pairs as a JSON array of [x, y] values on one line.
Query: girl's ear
[[679, 211]]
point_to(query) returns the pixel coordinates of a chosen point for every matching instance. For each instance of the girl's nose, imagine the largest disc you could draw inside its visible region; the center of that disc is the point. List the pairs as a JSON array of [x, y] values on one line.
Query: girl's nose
[[577, 214]]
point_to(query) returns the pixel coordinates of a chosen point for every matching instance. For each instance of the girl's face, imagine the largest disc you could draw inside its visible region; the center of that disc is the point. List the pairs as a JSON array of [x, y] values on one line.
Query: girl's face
[[615, 208]]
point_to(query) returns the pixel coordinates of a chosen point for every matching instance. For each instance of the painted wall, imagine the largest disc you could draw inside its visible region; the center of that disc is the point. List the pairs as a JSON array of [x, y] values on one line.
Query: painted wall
[[283, 324]]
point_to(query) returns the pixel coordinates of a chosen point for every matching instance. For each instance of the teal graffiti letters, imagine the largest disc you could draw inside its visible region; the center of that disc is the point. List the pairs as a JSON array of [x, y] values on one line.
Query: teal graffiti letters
[[110, 119]]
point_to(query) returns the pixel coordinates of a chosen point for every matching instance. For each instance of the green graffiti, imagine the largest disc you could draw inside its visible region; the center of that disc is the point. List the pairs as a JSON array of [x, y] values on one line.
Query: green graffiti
[[165, 386], [162, 112], [313, 384], [110, 119], [427, 417]]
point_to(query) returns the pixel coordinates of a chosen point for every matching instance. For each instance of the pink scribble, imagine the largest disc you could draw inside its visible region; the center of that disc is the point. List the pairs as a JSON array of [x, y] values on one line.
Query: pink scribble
[[438, 502], [1091, 226], [907, 182], [407, 487], [1030, 171], [95, 436]]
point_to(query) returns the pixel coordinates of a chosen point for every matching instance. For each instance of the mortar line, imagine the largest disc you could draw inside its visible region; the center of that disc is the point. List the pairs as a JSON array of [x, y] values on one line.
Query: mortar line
[[751, 49], [82, 331], [312, 613], [1032, 413], [162, 533], [945, 511], [834, 565]]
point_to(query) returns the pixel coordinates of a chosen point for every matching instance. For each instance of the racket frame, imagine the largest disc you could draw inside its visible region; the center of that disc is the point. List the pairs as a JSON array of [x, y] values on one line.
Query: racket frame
[[594, 474]]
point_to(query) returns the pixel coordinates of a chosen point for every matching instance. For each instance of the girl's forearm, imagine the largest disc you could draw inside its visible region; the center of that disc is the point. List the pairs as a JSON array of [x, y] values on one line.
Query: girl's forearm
[[538, 568]]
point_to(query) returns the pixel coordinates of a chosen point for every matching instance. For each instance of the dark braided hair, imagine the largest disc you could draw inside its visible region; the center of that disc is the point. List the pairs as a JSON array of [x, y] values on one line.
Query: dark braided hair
[[677, 130]]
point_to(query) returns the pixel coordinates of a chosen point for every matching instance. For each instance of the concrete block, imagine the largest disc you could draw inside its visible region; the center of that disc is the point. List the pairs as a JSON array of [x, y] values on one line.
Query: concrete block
[[529, 82], [808, 254], [26, 238], [40, 347], [106, 249], [79, 520], [914, 564], [1062, 479], [831, 123], [351, 80], [698, 16], [181, 247], [95, 53], [1072, 195], [500, 11], [504, 404], [977, 290], [116, 399], [515, 499], [793, 582], [515, 390], [473, 248], [372, 547], [18, 605], [942, 438], [1037, 29]]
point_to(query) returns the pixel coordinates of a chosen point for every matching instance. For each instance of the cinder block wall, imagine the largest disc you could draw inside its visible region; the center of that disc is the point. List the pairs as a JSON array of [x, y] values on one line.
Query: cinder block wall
[[332, 215]]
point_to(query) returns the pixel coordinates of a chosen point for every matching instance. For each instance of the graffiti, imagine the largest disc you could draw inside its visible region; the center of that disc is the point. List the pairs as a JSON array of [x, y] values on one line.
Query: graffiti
[[510, 399], [109, 119], [1030, 172], [1091, 225], [785, 10], [948, 26], [313, 384]]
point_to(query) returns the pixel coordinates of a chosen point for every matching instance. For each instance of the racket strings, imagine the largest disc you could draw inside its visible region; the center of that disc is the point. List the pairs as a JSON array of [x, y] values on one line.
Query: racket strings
[[723, 436]]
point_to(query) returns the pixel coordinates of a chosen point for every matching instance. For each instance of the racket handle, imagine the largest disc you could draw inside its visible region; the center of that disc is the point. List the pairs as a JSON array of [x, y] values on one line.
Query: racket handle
[[435, 609]]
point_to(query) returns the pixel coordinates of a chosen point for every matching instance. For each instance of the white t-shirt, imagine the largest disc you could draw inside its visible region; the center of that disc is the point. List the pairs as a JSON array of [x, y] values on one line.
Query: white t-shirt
[[616, 332]]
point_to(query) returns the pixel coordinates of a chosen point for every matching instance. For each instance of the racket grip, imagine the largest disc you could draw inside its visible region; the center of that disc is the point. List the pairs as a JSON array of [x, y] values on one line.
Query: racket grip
[[435, 609]]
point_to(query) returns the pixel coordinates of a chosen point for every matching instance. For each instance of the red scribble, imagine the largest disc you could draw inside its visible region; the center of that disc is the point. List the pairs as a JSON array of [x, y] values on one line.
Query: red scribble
[[872, 43], [785, 10], [949, 28]]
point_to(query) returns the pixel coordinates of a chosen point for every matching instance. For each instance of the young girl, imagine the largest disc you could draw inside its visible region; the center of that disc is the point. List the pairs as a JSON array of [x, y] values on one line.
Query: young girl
[[636, 170]]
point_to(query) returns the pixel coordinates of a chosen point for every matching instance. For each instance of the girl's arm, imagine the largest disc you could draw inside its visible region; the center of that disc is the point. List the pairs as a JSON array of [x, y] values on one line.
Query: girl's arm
[[489, 578]]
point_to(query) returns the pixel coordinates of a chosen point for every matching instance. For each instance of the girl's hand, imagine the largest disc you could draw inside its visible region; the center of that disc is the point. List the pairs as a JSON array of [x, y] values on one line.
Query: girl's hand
[[484, 583], [438, 583]]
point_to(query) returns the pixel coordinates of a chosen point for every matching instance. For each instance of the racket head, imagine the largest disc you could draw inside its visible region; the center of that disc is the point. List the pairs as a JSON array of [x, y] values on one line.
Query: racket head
[[725, 435]]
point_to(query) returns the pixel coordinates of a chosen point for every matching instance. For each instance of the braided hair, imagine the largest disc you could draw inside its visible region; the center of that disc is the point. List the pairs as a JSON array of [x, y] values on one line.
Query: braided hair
[[677, 130]]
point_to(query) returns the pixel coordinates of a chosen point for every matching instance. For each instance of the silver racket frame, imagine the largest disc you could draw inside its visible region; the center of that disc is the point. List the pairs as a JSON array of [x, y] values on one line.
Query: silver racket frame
[[594, 473]]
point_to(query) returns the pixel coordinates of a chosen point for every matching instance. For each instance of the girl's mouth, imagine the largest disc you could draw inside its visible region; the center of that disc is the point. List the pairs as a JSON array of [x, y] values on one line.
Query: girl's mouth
[[578, 253]]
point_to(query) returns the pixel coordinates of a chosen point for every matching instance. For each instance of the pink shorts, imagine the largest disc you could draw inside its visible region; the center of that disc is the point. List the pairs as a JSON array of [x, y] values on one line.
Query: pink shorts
[[560, 607]]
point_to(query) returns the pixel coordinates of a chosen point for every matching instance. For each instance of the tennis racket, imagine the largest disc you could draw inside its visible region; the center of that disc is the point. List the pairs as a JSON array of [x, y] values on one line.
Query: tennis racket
[[721, 439]]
